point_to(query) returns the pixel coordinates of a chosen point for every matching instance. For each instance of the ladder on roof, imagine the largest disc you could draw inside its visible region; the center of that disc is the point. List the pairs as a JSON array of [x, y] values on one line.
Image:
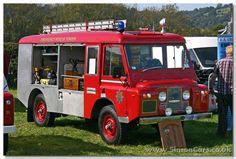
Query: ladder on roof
[[85, 26]]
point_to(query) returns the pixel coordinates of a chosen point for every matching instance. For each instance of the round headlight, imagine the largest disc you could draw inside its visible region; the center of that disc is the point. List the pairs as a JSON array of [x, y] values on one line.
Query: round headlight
[[162, 96], [189, 109], [168, 111], [8, 102], [186, 95]]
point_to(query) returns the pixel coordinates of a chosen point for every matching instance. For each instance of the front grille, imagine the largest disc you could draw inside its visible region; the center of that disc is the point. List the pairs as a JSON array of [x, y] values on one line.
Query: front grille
[[174, 99]]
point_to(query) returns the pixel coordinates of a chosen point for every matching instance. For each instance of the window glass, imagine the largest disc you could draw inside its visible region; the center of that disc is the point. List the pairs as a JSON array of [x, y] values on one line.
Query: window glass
[[176, 57], [146, 57], [112, 59], [92, 60], [157, 54], [207, 56]]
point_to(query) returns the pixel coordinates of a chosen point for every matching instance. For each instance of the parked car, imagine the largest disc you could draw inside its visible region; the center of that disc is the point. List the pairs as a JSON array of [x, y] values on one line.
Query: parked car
[[9, 126], [203, 52]]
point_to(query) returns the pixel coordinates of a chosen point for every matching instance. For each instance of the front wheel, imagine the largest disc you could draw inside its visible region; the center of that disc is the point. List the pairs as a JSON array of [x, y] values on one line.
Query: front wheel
[[110, 129], [41, 116]]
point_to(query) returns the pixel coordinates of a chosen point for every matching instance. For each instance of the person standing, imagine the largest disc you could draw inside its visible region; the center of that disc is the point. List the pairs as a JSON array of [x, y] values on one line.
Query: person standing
[[224, 72]]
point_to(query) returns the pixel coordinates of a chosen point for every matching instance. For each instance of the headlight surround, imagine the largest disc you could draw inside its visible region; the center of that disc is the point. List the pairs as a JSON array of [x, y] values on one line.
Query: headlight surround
[[168, 111], [8, 102], [162, 96], [186, 95], [189, 109]]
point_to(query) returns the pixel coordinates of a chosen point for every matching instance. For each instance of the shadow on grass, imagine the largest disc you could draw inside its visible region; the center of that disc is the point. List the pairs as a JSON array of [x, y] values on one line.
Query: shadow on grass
[[143, 136], [197, 133], [48, 145], [78, 124], [19, 107]]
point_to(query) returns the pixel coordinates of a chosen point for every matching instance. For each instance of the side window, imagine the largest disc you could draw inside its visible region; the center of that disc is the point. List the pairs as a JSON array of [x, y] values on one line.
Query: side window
[[112, 59], [157, 54], [92, 57]]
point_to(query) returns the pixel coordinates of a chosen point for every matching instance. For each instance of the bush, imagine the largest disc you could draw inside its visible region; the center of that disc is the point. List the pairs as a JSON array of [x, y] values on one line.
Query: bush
[[11, 49]]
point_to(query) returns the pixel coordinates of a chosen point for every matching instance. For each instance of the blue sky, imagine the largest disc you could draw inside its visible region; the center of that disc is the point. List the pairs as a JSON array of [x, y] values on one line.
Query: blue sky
[[182, 6]]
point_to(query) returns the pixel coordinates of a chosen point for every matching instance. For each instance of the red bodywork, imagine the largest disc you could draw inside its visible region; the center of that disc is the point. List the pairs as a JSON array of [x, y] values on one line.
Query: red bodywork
[[153, 81], [8, 109]]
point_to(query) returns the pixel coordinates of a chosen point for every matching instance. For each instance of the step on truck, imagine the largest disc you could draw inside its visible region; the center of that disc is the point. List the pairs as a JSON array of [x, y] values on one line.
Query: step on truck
[[99, 71]]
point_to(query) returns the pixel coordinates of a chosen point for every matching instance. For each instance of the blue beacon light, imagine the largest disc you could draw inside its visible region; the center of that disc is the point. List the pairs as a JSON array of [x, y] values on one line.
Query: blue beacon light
[[121, 26]]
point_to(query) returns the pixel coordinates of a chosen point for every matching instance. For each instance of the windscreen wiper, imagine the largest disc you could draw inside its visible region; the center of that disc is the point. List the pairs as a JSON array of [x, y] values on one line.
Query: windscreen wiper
[[151, 68]]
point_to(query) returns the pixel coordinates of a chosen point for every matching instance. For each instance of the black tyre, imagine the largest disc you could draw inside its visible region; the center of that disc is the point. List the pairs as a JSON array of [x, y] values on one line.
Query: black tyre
[[40, 114], [5, 147], [110, 129]]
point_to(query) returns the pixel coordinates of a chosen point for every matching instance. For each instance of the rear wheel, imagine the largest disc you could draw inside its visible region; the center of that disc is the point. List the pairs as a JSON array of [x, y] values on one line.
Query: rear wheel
[[40, 114], [110, 129], [5, 147]]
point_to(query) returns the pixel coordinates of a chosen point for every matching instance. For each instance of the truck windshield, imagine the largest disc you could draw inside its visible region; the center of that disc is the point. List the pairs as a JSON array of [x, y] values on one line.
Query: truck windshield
[[146, 57], [207, 56]]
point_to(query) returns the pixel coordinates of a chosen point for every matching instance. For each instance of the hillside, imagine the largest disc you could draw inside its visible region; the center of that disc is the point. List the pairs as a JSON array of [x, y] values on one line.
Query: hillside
[[209, 17]]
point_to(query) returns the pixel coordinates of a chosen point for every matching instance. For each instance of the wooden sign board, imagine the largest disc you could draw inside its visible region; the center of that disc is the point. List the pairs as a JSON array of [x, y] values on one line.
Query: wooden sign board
[[172, 135]]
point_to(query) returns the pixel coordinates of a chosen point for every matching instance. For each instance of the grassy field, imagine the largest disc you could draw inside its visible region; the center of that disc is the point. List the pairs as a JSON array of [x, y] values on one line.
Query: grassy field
[[72, 136]]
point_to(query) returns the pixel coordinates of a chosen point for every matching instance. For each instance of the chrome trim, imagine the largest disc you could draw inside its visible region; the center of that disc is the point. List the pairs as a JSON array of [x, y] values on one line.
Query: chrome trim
[[123, 119], [91, 90], [174, 101], [111, 81], [9, 129], [185, 117]]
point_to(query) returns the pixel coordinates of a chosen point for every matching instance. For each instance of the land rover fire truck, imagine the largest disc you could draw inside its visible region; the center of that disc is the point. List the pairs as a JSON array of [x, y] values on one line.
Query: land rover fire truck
[[96, 70]]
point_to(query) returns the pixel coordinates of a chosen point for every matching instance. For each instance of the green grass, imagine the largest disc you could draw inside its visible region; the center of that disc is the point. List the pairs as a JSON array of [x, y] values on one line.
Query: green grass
[[72, 136]]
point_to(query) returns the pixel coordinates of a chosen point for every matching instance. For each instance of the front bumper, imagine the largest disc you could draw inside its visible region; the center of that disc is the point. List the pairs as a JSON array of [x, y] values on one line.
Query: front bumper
[[185, 117], [9, 129]]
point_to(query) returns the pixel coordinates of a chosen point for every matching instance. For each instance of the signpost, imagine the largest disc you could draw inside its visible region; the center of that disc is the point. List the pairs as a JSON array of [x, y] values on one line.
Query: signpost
[[172, 134]]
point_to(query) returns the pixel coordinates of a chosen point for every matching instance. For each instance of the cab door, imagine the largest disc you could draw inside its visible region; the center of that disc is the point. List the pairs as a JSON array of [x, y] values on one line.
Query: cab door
[[114, 88], [91, 78]]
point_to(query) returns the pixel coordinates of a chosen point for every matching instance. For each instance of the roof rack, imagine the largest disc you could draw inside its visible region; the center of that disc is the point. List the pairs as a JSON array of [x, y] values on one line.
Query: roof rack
[[86, 26]]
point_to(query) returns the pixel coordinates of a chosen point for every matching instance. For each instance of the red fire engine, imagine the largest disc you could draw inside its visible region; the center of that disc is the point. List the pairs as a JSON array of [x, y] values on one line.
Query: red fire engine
[[117, 77]]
